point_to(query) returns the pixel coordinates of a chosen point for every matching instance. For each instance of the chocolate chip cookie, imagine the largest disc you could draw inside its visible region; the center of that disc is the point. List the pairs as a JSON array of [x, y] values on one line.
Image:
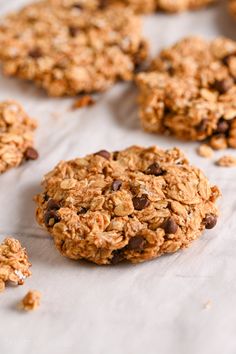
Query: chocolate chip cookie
[[135, 205], [190, 91], [16, 136], [71, 47], [141, 6]]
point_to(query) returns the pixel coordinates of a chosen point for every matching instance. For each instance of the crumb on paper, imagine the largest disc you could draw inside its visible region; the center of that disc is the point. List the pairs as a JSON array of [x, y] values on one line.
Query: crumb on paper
[[83, 101], [14, 263], [207, 305], [31, 301], [205, 150], [226, 161]]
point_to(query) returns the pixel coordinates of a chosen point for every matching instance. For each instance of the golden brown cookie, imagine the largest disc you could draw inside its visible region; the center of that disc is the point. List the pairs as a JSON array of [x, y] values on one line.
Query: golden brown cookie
[[134, 205], [16, 136], [190, 92], [71, 47], [14, 263]]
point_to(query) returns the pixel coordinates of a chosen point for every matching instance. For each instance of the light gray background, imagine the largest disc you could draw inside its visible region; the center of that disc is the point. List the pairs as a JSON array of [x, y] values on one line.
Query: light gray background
[[155, 307]]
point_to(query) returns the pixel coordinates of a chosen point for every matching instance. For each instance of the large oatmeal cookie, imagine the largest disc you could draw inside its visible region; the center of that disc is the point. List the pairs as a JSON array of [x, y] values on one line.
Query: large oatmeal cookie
[[68, 47], [134, 205], [14, 263], [232, 7], [190, 91], [16, 136], [141, 6]]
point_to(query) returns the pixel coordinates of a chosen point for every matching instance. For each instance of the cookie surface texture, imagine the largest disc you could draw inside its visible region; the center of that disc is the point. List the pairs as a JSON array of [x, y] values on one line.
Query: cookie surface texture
[[16, 136], [134, 205], [190, 92], [71, 47]]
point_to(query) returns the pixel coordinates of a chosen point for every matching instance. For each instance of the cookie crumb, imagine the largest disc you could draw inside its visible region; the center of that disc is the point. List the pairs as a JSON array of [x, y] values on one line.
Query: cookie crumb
[[14, 263], [205, 150], [226, 161], [31, 301], [83, 101], [207, 305]]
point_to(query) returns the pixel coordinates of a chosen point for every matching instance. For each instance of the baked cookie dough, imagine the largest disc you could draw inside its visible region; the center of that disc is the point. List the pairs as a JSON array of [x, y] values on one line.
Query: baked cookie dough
[[232, 7], [190, 91], [14, 263], [16, 136], [141, 6], [134, 205], [31, 301], [67, 47]]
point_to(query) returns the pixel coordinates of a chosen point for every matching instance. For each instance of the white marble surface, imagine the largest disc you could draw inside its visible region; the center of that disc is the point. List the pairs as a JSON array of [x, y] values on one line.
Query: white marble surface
[[156, 307]]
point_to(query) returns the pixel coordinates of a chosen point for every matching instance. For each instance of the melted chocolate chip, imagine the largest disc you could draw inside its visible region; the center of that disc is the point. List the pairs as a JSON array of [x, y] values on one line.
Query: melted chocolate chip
[[118, 256], [73, 31], [154, 169], [170, 226], [51, 217], [53, 205], [210, 221], [31, 154], [82, 211], [202, 126], [222, 126], [136, 243], [35, 53], [222, 86], [103, 153], [141, 203], [227, 58]]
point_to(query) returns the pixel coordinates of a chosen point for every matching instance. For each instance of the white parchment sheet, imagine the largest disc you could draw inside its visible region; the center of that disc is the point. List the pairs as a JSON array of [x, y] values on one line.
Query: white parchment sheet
[[156, 307]]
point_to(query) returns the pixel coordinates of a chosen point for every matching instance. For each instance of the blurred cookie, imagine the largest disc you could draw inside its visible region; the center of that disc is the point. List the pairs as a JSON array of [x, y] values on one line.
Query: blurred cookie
[[190, 92], [16, 136], [71, 47]]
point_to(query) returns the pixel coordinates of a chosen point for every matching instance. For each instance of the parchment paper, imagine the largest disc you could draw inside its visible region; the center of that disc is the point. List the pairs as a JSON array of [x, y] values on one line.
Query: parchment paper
[[182, 303]]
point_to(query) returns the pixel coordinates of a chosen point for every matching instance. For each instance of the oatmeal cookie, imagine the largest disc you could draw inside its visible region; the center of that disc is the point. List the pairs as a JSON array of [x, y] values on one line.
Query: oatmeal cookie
[[232, 7], [141, 6], [190, 91], [16, 136], [14, 263], [134, 205], [67, 47]]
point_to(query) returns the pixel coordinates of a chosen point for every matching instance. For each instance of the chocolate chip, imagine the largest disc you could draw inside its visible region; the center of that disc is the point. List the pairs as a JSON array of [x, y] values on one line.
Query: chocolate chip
[[116, 185], [35, 53], [210, 221], [136, 243], [51, 217], [31, 154], [102, 4], [222, 126], [103, 153], [170, 226], [141, 203], [154, 169], [118, 256], [82, 211], [53, 205], [115, 155], [222, 86], [227, 58], [202, 126], [73, 31]]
